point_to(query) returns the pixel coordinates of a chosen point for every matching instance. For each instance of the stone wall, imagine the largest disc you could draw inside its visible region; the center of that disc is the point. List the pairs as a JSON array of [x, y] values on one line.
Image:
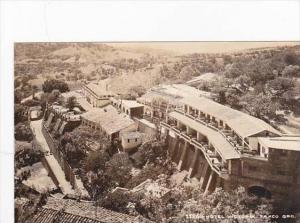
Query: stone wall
[[246, 172], [192, 160], [59, 156]]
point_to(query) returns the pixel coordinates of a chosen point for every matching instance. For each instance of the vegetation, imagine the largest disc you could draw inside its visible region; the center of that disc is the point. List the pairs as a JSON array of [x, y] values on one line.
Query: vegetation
[[27, 155], [20, 113], [96, 160], [259, 82], [32, 202], [71, 103], [53, 84], [137, 91], [191, 205], [23, 132]]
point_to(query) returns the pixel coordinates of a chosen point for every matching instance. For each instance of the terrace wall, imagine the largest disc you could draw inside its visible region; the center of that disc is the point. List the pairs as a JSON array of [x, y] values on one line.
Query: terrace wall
[[246, 172]]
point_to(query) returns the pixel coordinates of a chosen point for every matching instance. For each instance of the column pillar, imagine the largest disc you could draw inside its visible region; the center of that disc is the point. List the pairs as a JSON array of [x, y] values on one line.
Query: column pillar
[[173, 148], [198, 136], [182, 155], [203, 174], [209, 183], [218, 181], [187, 130], [194, 161]]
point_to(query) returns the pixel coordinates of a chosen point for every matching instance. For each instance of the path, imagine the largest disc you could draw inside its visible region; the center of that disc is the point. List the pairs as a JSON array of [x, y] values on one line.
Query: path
[[64, 185]]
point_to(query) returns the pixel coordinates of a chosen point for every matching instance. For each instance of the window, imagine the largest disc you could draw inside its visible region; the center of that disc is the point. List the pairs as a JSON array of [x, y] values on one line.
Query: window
[[135, 139]]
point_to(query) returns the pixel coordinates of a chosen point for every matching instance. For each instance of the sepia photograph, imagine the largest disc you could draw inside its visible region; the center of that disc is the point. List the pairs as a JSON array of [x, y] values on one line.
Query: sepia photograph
[[152, 111], [157, 131]]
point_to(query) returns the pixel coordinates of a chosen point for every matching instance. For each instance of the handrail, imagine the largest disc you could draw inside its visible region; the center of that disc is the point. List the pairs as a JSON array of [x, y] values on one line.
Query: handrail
[[198, 145], [214, 128]]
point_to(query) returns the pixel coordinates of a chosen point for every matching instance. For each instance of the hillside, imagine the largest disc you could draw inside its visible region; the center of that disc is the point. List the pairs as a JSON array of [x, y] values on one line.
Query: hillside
[[262, 81]]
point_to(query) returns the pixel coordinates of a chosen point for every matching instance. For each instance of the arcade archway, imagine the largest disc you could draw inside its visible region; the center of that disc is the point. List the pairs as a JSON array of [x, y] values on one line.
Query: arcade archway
[[259, 191]]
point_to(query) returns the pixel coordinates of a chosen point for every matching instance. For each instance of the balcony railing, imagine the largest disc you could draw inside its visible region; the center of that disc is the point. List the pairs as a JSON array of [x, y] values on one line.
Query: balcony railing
[[223, 132], [213, 162]]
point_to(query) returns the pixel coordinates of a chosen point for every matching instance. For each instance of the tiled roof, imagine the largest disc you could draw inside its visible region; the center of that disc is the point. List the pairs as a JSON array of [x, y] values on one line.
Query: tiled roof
[[69, 211], [46, 215], [243, 124], [109, 119], [99, 89]]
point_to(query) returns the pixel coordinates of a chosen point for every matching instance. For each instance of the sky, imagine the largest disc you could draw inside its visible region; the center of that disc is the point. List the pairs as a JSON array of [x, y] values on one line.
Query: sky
[[201, 47]]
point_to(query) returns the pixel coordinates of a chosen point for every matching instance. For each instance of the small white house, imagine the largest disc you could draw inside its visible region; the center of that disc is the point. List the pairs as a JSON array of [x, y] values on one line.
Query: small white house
[[131, 140], [35, 112]]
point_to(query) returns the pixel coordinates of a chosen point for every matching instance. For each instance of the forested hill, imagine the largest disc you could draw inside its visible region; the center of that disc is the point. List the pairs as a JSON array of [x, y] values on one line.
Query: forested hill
[[260, 81]]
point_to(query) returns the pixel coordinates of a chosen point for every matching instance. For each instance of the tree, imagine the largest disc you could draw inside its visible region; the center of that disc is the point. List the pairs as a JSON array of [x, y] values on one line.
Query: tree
[[50, 85], [227, 59], [27, 154], [137, 91], [71, 103], [150, 152], [243, 83], [291, 71], [74, 153], [291, 59], [96, 160], [23, 132], [233, 70], [118, 201], [280, 85], [259, 71], [19, 110], [260, 105], [224, 204], [118, 169]]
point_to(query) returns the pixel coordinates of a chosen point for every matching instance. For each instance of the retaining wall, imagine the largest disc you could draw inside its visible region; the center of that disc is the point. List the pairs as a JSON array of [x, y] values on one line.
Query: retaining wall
[[59, 156]]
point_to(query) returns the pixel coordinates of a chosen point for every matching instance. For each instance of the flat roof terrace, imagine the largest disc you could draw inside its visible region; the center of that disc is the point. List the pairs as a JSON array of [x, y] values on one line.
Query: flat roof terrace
[[284, 143], [223, 147]]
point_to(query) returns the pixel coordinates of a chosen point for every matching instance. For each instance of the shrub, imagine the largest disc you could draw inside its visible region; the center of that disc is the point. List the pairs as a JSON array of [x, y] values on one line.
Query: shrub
[[50, 85], [23, 132]]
